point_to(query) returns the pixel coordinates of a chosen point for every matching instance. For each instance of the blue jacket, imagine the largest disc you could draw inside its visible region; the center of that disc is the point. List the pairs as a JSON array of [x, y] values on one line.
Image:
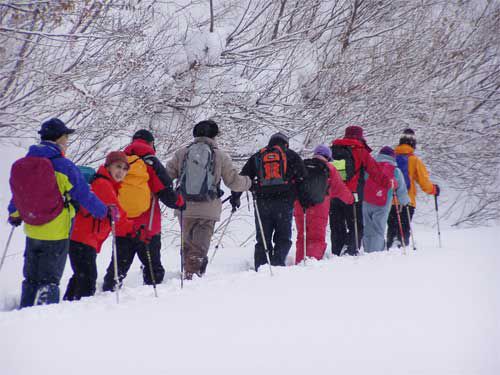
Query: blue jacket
[[70, 180]]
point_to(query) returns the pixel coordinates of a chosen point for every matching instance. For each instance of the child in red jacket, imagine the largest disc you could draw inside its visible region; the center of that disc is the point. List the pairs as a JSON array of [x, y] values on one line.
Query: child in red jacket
[[89, 233], [317, 215]]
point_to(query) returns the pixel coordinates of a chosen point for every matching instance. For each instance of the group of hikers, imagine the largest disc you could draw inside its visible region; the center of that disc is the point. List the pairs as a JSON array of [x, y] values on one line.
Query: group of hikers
[[68, 209]]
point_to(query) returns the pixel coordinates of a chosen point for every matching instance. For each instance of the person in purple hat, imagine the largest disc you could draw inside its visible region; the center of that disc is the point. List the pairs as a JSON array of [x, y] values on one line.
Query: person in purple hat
[[317, 215], [351, 156], [378, 200]]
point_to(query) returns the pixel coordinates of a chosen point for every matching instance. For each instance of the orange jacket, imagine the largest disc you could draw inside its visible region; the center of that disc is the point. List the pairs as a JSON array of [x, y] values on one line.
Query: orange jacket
[[91, 231], [418, 172]]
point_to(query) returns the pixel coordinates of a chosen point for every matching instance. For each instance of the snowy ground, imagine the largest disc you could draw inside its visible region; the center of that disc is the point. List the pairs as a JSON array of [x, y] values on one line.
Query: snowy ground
[[434, 311]]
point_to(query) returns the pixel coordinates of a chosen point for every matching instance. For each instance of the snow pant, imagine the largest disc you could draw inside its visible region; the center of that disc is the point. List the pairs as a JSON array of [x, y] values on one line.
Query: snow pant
[[316, 222], [83, 262], [197, 234], [342, 226], [393, 231], [126, 248], [44, 263], [276, 216], [374, 222]]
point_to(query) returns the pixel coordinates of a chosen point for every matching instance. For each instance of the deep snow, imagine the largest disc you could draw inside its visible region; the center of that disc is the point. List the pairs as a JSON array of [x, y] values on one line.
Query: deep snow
[[434, 311]]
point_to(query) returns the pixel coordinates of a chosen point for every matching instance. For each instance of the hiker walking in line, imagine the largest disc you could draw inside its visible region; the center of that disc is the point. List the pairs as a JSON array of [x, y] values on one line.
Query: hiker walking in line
[[276, 171], [199, 168], [89, 233], [146, 183], [45, 187], [317, 214], [377, 201], [414, 172], [352, 158]]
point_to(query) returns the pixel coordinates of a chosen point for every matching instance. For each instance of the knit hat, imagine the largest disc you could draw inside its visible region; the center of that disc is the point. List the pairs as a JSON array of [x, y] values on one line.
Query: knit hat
[[206, 128], [354, 132], [53, 129], [278, 138], [408, 138], [324, 151], [386, 150], [145, 135], [116, 156]]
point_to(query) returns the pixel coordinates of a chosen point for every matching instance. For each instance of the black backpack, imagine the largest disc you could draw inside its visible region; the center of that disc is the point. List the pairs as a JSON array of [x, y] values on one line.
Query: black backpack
[[314, 187], [343, 161]]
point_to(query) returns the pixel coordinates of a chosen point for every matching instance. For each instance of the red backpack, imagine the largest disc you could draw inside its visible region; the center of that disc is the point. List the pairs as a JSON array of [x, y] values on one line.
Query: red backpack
[[375, 194], [271, 166], [35, 192]]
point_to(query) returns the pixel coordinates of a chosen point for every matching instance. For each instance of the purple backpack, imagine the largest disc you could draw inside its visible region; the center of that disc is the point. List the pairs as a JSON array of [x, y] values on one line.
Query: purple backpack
[[35, 192]]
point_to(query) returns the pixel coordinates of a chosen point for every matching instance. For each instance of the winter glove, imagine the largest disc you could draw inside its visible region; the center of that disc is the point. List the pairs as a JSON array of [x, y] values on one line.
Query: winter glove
[[180, 203], [143, 235], [255, 186], [437, 190], [15, 221], [235, 200], [113, 213]]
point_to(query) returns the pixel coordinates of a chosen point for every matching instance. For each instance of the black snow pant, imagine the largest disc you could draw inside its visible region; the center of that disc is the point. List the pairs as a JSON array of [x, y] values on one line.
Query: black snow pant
[[393, 231], [276, 216], [126, 248], [342, 226], [83, 262]]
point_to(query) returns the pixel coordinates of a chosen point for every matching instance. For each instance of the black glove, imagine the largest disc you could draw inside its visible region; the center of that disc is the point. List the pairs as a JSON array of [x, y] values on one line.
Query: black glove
[[255, 186], [437, 189], [235, 200], [15, 221]]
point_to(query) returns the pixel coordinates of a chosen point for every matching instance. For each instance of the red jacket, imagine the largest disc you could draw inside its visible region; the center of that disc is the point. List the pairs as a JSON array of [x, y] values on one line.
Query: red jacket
[[363, 159], [91, 231], [142, 148], [317, 216]]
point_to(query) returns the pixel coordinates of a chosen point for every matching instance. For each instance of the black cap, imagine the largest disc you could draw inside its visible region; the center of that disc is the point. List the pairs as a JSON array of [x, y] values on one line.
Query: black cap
[[408, 138], [206, 128], [145, 135], [53, 129], [278, 139]]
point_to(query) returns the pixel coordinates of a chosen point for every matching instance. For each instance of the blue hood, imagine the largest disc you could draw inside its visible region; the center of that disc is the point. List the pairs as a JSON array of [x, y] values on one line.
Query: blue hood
[[44, 150], [382, 158]]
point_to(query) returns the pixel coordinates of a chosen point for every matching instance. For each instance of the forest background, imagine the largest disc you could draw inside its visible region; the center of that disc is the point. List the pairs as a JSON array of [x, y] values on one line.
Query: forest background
[[308, 68]]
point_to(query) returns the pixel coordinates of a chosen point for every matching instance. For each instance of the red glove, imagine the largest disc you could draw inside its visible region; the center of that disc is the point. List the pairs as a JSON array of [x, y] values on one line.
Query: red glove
[[180, 203]]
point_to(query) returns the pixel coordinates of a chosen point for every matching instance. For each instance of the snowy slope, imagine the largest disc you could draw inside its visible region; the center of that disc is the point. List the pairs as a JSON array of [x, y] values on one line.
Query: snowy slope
[[434, 311]]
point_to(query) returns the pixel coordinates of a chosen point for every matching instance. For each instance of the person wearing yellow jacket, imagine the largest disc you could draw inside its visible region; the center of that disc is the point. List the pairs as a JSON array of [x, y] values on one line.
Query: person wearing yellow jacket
[[415, 172]]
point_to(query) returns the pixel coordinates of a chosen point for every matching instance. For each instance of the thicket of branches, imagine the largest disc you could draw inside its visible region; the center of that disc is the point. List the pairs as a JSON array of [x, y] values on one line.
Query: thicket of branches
[[306, 67]]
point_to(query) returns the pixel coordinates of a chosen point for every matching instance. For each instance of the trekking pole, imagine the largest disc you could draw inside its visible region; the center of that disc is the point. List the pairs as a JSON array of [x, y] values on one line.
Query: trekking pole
[[222, 235], [182, 249], [7, 247], [262, 234], [356, 221], [437, 218], [148, 251], [115, 261], [400, 223], [305, 236], [410, 227]]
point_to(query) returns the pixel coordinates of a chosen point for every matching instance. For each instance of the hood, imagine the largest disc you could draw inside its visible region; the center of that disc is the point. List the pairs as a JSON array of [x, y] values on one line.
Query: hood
[[45, 150], [404, 149], [207, 140], [139, 147], [381, 158], [104, 172]]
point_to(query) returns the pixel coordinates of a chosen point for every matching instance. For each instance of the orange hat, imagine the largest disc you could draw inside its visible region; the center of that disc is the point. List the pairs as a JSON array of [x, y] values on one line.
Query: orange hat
[[116, 156]]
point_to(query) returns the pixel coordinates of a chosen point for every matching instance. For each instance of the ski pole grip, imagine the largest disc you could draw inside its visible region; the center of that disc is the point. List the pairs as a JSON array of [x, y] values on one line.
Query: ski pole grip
[[436, 202]]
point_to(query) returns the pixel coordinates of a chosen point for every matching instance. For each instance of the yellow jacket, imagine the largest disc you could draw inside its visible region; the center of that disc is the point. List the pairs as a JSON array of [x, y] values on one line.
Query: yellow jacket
[[417, 173]]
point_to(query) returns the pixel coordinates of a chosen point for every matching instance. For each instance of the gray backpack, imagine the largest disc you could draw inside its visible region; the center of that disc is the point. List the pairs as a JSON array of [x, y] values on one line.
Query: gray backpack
[[197, 181]]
